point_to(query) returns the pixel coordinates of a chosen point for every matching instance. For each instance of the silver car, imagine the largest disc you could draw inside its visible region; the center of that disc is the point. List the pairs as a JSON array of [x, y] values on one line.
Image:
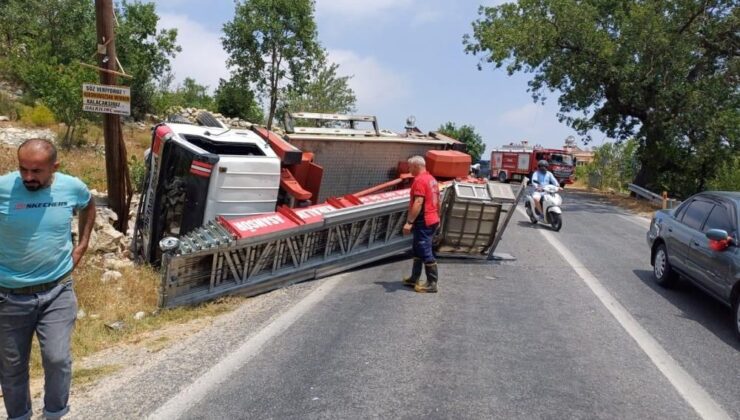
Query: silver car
[[700, 241]]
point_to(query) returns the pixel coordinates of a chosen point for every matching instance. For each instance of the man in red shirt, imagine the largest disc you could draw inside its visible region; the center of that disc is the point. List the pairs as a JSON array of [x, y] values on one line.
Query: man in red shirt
[[422, 220]]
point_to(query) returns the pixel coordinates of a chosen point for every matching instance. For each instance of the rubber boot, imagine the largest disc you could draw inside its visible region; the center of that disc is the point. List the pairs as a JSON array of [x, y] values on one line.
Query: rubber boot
[[415, 273], [430, 285]]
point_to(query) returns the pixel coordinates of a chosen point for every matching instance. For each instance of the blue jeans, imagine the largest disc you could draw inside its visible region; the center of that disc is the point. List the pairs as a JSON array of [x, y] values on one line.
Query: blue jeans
[[51, 315], [422, 245]]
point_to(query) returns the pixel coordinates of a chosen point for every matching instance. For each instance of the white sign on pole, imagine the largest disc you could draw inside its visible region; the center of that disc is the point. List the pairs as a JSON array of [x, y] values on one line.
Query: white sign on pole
[[106, 99]]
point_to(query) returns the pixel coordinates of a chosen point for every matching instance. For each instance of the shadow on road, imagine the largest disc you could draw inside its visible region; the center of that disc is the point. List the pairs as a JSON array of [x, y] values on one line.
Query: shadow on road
[[696, 306], [393, 286]]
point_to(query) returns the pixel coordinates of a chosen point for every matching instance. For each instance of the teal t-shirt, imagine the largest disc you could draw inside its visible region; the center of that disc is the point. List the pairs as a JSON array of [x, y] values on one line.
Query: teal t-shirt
[[35, 229]]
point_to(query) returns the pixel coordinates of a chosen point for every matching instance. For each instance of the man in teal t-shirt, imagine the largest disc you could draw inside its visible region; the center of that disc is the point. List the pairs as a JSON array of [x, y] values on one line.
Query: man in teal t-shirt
[[36, 259]]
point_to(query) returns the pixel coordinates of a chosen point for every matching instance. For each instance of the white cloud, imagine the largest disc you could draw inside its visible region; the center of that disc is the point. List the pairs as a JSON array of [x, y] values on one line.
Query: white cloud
[[523, 117], [357, 9], [374, 84], [202, 57]]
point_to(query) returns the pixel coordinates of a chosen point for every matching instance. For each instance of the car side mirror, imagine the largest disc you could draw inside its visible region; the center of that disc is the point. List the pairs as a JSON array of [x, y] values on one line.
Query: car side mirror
[[719, 240]]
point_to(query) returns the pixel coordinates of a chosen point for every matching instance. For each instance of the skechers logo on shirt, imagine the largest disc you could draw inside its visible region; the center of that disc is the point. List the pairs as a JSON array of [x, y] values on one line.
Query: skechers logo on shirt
[[25, 206]]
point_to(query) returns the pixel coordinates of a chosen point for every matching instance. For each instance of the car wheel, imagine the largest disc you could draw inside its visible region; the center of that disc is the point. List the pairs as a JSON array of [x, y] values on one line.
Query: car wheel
[[556, 221], [502, 177], [662, 270]]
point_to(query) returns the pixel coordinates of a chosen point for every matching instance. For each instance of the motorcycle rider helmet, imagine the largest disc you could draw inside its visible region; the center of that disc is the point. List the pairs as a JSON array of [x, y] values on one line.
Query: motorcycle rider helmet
[[542, 164]]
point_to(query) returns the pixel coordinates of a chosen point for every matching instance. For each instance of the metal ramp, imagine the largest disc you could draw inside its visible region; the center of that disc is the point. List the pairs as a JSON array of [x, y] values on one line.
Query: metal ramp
[[474, 217], [255, 254]]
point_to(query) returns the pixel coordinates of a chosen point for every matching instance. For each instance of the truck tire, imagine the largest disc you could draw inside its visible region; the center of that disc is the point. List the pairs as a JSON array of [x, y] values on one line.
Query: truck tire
[[208, 120], [502, 177], [178, 119], [662, 270]]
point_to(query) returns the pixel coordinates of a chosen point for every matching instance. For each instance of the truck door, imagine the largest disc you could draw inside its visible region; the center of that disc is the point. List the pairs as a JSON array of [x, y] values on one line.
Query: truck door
[[713, 268]]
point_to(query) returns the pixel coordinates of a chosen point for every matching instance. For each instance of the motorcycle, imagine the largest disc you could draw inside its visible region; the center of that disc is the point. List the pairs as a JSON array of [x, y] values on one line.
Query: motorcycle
[[551, 202]]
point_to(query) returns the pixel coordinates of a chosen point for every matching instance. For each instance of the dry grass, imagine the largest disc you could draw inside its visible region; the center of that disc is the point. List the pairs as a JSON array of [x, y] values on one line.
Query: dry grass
[[86, 162], [105, 303], [633, 204]]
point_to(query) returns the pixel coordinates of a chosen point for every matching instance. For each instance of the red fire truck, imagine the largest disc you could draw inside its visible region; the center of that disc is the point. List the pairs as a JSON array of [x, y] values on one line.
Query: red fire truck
[[515, 161]]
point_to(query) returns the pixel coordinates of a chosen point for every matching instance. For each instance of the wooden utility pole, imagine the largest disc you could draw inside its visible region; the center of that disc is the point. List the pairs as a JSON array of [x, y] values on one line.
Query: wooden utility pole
[[116, 168]]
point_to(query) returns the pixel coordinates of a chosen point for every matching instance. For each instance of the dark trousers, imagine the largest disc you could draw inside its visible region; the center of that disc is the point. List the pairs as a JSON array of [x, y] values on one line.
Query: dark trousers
[[422, 245], [51, 316]]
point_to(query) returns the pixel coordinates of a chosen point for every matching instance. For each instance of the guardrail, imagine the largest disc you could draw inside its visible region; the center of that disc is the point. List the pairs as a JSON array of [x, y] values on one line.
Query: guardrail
[[661, 200]]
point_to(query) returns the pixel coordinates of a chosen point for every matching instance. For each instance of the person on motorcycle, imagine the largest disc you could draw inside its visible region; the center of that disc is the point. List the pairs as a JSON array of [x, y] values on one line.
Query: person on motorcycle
[[540, 178]]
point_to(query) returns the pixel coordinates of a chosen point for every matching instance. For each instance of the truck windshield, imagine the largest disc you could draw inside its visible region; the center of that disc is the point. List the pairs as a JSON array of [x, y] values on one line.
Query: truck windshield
[[561, 159]]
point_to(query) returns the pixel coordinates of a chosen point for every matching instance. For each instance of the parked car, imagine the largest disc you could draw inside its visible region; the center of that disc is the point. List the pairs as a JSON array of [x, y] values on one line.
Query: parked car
[[700, 241]]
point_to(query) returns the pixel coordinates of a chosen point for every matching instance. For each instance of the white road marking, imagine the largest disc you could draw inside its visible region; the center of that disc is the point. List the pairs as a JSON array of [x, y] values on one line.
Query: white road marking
[[686, 385], [195, 392], [640, 221]]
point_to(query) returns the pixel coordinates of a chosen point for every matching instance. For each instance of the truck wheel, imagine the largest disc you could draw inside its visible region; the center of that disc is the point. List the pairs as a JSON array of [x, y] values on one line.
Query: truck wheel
[[178, 119], [502, 177], [562, 185], [208, 120], [662, 270]]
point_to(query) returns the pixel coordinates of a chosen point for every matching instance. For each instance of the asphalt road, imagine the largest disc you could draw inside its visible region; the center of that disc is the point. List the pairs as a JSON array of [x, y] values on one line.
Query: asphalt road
[[522, 339]]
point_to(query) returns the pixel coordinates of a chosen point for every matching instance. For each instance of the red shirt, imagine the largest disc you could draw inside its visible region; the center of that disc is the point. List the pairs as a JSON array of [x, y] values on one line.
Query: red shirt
[[426, 186]]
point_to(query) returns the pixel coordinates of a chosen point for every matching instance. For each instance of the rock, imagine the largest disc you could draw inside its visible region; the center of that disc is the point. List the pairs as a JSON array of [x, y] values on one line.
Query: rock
[[139, 316], [111, 275], [81, 314], [107, 239], [4, 118], [117, 264], [116, 326]]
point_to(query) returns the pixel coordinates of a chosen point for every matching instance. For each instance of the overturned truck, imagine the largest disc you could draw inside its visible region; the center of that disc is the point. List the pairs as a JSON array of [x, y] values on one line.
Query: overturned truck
[[227, 211]]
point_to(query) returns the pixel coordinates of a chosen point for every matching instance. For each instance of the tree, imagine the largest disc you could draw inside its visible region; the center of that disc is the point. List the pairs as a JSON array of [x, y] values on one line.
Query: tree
[[272, 43], [235, 99], [192, 94], [144, 52], [466, 134], [663, 72], [325, 92], [45, 41]]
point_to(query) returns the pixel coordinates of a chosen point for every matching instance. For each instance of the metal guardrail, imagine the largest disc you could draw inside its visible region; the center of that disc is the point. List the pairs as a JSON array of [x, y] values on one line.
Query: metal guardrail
[[661, 200]]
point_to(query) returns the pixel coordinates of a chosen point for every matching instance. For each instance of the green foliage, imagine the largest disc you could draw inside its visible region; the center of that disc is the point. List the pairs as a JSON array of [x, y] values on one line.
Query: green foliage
[[614, 165], [273, 44], [137, 172], [728, 176], [38, 115], [7, 107], [467, 135], [191, 94], [144, 52], [235, 99], [664, 73], [325, 92]]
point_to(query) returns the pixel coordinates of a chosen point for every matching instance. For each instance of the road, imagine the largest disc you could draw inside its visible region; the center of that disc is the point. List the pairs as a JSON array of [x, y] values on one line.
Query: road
[[539, 337]]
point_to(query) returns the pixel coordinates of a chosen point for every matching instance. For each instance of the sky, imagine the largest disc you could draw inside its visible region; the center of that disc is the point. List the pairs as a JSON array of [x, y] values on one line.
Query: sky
[[406, 57]]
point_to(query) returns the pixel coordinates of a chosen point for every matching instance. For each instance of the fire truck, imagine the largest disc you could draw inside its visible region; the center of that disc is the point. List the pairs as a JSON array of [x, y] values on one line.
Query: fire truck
[[516, 161], [226, 210]]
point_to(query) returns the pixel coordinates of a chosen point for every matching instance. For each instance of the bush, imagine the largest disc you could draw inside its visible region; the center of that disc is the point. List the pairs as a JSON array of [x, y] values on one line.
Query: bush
[[38, 115], [7, 107], [137, 171], [728, 177]]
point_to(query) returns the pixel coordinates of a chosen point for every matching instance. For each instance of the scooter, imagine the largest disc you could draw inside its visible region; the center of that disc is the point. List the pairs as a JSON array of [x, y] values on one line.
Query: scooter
[[551, 202]]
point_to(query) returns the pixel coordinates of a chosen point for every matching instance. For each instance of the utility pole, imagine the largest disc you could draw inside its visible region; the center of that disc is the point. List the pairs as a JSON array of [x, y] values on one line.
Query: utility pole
[[116, 168]]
